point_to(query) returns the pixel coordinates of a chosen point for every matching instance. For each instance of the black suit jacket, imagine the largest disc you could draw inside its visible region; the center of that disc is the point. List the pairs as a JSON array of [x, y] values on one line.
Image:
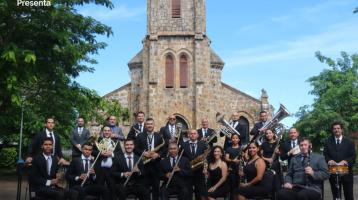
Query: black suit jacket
[[285, 147], [209, 133], [244, 137], [200, 149], [141, 143], [38, 171], [255, 131], [132, 134], [180, 178], [35, 147], [120, 166], [78, 139], [344, 151], [76, 169]]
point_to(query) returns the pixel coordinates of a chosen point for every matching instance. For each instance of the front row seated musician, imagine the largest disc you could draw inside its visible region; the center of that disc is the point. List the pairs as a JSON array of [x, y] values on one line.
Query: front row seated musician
[[125, 170], [178, 170], [43, 175], [305, 175], [80, 168]]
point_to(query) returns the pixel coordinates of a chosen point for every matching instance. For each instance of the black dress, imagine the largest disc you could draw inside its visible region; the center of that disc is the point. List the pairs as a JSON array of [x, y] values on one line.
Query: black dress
[[233, 169], [214, 177], [268, 150], [261, 188]]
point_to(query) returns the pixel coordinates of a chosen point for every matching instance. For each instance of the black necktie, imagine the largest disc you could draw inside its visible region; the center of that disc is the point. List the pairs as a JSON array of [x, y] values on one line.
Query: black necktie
[[205, 131], [293, 144], [192, 145], [140, 127], [173, 164], [130, 163], [86, 166], [338, 141]]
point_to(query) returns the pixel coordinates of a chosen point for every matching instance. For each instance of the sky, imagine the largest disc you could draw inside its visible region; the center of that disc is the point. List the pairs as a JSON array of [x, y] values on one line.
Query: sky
[[264, 44]]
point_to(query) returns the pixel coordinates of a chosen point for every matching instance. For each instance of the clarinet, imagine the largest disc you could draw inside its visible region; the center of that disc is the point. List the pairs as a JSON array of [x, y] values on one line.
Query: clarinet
[[308, 165]]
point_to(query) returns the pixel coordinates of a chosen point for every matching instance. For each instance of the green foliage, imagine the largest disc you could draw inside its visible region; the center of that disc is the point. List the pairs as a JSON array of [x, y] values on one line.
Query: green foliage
[[8, 157], [336, 99], [42, 51]]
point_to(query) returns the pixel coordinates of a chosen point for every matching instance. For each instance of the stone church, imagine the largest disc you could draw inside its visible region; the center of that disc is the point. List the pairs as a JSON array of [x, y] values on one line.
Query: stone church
[[177, 72]]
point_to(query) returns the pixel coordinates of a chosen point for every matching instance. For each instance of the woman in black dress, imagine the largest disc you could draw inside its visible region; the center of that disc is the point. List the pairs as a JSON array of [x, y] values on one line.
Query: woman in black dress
[[272, 162], [258, 182], [232, 158], [217, 174]]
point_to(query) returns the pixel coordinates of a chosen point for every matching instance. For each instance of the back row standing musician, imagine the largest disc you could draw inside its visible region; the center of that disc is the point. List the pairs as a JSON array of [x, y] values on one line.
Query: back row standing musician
[[290, 147], [138, 127], [239, 127], [205, 132], [339, 151], [258, 126], [79, 136]]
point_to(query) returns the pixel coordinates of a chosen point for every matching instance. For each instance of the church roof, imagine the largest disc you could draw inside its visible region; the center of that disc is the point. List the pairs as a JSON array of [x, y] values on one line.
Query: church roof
[[136, 60], [215, 59], [239, 92], [118, 89]]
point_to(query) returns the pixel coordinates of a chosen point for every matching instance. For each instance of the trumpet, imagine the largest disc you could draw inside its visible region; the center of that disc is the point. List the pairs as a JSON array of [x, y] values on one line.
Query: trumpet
[[225, 128]]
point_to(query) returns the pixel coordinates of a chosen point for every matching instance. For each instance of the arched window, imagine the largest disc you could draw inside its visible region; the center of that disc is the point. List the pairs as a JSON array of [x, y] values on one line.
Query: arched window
[[183, 66], [169, 72], [175, 8]]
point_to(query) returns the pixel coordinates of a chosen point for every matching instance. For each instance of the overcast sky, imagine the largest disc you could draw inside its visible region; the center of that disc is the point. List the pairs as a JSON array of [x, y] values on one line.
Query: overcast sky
[[264, 44]]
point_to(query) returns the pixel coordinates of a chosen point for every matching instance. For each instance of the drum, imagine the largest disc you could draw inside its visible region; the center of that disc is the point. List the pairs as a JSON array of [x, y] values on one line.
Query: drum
[[338, 169]]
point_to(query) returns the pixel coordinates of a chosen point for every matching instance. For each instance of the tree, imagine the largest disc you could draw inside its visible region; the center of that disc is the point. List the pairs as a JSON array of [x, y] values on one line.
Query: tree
[[42, 51], [336, 99]]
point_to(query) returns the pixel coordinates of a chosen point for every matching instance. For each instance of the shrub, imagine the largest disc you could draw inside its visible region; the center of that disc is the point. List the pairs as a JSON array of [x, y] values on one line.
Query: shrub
[[8, 157]]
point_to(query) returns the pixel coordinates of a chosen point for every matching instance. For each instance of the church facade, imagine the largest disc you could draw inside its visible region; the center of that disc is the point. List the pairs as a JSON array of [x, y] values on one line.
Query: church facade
[[177, 72]]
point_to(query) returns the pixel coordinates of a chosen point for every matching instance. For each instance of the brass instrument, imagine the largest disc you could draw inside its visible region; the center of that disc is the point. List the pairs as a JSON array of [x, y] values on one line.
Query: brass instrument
[[135, 165], [271, 124], [225, 128], [147, 160], [178, 129], [211, 137], [172, 172], [279, 134], [60, 176], [199, 161], [106, 144]]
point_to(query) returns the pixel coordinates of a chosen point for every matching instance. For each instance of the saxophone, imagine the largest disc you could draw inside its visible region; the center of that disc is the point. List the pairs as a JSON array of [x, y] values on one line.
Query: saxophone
[[155, 150], [199, 161]]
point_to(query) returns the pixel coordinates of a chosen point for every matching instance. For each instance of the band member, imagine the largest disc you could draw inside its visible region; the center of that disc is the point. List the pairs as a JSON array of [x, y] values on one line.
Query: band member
[[239, 127], [232, 157], [217, 174], [42, 176], [138, 127], [79, 136], [305, 175], [169, 131], [105, 160], [124, 167], [180, 173], [205, 132], [339, 150], [149, 142], [35, 147], [290, 147], [81, 170], [268, 149], [258, 182], [257, 127], [192, 149], [115, 130]]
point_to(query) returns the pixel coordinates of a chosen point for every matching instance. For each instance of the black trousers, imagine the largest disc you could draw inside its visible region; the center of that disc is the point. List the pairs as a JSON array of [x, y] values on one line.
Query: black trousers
[[93, 190], [184, 193], [298, 193], [56, 193], [104, 176], [140, 191], [152, 178], [198, 181], [346, 181]]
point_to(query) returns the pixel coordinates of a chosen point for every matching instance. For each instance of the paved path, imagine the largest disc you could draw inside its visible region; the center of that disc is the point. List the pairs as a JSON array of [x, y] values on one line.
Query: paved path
[[8, 186]]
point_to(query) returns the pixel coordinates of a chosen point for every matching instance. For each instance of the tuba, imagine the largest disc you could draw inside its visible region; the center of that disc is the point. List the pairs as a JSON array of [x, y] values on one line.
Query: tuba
[[225, 128], [273, 124]]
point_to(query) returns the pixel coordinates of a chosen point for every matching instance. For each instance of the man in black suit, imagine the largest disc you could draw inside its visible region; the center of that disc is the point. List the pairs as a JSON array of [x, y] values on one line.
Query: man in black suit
[[81, 170], [138, 127], [305, 175], [169, 132], [79, 136], [124, 167], [192, 149], [257, 127], [35, 146], [43, 178], [105, 160], [147, 142], [339, 150], [239, 127], [180, 173], [205, 132], [290, 147]]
